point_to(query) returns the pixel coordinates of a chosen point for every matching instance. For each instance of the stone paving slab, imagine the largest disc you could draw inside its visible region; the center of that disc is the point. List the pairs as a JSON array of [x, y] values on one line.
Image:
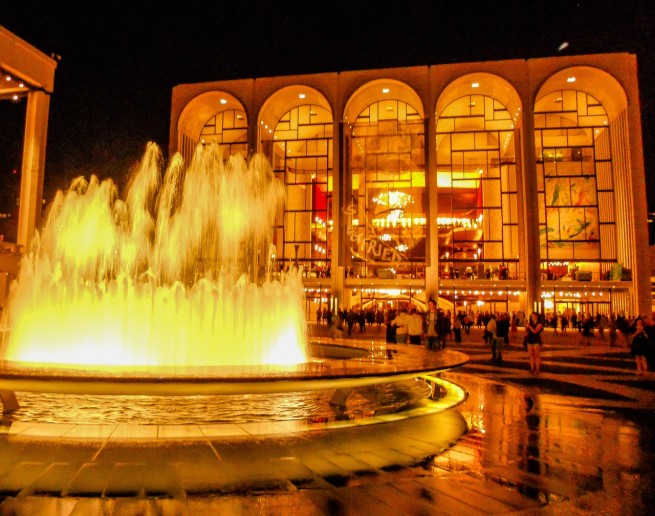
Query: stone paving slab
[[533, 444]]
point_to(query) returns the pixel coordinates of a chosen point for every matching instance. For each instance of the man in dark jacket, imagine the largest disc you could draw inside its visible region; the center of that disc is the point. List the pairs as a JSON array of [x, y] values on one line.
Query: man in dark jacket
[[443, 328]]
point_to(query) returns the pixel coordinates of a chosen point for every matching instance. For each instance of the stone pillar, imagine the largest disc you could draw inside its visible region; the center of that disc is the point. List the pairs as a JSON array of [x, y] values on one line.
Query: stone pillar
[[528, 172], [31, 186], [432, 228]]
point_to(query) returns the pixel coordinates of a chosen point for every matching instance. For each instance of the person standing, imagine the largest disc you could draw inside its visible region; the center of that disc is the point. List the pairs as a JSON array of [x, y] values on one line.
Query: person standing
[[390, 332], [564, 321], [467, 322], [494, 341], [514, 325], [401, 323], [332, 324], [587, 329], [611, 330], [533, 330], [502, 328], [443, 328], [640, 346], [430, 326], [415, 326], [457, 328]]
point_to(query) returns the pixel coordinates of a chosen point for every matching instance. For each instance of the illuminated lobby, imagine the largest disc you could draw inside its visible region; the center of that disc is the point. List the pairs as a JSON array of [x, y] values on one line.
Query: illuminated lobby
[[495, 186]]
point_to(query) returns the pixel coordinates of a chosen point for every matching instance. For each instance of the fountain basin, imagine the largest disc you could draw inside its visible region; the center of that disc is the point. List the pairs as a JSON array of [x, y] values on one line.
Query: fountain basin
[[369, 364]]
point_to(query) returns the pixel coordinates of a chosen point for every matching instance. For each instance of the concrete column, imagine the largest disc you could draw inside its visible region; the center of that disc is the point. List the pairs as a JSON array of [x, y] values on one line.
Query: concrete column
[[530, 199], [33, 170], [339, 178], [432, 229]]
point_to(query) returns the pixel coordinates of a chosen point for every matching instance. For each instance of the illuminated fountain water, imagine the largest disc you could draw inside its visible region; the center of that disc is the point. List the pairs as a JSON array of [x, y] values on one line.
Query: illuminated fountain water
[[177, 276], [174, 291]]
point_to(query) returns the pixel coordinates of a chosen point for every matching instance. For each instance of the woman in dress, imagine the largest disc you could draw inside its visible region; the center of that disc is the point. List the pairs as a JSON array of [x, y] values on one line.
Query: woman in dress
[[639, 346], [533, 331]]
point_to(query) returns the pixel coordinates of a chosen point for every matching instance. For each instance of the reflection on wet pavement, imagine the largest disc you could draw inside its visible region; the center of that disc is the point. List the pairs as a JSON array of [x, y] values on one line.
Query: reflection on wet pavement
[[567, 441]]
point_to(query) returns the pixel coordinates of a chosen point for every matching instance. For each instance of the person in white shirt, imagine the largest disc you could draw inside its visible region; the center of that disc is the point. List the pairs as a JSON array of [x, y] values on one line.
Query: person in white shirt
[[496, 351], [415, 326], [401, 323]]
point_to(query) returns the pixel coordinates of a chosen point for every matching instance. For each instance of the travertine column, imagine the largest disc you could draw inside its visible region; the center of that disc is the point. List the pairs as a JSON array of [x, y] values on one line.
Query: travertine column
[[31, 187]]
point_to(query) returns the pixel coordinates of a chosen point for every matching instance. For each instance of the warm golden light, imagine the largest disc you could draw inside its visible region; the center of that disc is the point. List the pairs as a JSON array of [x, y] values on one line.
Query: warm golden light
[[177, 274]]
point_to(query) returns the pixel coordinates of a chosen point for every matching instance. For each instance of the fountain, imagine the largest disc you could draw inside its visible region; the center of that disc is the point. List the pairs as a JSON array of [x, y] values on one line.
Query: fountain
[[173, 291], [178, 275]]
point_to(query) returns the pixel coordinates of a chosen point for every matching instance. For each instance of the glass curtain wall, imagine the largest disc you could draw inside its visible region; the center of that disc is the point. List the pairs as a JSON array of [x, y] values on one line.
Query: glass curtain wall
[[302, 160], [575, 184], [478, 219], [228, 129], [387, 209]]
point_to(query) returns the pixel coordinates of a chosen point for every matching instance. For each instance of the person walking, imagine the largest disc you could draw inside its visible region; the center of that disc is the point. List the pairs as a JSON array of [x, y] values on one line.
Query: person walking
[[533, 330]]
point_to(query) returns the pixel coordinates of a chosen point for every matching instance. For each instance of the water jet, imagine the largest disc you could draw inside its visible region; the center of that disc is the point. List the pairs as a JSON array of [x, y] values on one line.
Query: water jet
[[174, 291]]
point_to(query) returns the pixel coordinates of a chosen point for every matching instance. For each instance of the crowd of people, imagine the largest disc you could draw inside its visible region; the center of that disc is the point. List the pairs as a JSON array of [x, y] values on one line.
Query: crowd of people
[[436, 327]]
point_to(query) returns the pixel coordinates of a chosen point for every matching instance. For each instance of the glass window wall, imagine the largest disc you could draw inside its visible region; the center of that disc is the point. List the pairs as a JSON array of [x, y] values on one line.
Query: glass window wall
[[478, 219], [387, 209], [575, 183]]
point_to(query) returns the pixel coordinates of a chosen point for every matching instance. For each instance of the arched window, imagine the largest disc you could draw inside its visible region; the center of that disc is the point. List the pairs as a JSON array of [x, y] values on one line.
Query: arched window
[[575, 185], [302, 160], [478, 220], [228, 129], [388, 201]]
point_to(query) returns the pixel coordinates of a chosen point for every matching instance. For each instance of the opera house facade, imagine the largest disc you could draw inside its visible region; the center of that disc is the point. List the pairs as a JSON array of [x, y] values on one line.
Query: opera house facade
[[506, 185], [500, 186]]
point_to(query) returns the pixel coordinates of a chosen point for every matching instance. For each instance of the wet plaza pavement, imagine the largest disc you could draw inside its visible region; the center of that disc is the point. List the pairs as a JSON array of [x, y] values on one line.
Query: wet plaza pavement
[[575, 439]]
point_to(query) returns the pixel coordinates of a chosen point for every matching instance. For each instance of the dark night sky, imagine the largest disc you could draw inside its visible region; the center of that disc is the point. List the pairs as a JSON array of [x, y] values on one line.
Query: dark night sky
[[118, 65]]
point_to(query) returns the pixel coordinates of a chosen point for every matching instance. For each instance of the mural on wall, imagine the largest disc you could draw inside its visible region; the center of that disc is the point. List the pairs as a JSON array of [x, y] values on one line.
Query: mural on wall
[[371, 244], [571, 212]]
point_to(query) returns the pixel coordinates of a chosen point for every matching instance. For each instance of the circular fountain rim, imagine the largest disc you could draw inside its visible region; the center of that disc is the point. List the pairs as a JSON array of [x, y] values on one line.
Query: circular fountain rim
[[409, 361]]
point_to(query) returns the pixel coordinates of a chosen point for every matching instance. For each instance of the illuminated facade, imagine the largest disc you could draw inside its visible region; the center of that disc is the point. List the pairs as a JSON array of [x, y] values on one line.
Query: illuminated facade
[[503, 185]]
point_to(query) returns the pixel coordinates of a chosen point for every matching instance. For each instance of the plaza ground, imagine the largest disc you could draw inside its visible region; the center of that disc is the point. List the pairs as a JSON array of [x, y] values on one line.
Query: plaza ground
[[575, 439]]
